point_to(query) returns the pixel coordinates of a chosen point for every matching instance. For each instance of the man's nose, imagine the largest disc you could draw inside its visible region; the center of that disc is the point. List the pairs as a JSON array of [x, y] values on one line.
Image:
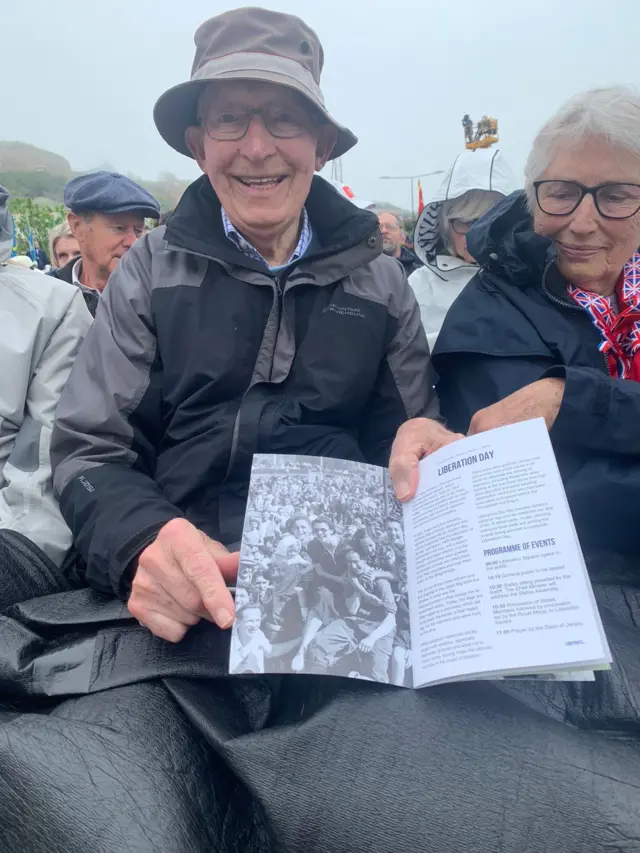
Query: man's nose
[[257, 143]]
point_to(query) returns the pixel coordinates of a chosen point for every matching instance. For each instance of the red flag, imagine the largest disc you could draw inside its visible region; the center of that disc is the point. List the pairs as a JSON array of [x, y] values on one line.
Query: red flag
[[420, 198]]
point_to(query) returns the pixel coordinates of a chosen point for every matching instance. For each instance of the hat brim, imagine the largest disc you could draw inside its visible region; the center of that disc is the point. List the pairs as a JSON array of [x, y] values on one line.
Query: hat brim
[[177, 108], [147, 212]]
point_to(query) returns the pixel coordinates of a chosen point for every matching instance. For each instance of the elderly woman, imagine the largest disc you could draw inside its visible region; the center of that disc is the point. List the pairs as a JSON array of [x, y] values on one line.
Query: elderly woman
[[550, 327], [476, 181]]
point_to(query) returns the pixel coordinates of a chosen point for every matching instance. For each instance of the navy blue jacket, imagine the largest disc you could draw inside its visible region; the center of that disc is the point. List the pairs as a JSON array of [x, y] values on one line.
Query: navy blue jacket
[[514, 324]]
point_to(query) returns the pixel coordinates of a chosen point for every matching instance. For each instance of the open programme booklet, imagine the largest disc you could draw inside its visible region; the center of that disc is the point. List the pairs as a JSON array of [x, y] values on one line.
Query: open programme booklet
[[479, 576]]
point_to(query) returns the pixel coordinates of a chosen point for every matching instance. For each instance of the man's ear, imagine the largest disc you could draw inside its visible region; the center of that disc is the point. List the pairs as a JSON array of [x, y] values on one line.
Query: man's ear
[[194, 138], [326, 143]]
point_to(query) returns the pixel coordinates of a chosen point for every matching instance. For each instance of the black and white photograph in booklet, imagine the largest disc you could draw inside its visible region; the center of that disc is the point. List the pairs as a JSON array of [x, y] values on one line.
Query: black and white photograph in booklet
[[322, 586]]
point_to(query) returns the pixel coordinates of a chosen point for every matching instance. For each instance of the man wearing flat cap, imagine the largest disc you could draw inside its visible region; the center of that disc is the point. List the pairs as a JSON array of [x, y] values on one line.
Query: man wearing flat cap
[[263, 318], [107, 213]]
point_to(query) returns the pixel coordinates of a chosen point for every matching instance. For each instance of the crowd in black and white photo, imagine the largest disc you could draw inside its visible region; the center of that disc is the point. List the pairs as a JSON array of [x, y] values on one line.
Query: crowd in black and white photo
[[322, 583]]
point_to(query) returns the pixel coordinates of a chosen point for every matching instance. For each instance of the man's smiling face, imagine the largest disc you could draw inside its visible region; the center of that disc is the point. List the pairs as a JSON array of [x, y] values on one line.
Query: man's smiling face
[[261, 179]]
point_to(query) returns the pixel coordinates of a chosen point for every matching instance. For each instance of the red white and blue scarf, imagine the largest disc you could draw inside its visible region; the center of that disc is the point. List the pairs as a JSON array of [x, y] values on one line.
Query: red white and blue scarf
[[620, 330]]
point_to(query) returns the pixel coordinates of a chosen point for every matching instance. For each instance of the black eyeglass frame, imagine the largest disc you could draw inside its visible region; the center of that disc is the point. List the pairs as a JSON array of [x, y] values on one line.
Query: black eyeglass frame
[[584, 190], [468, 223]]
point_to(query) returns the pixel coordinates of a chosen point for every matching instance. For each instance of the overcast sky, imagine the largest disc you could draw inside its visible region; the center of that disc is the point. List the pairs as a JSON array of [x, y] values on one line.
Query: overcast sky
[[81, 76]]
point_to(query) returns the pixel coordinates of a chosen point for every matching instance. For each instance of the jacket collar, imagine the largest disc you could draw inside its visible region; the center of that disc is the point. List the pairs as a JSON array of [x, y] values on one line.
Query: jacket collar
[[344, 236], [504, 238]]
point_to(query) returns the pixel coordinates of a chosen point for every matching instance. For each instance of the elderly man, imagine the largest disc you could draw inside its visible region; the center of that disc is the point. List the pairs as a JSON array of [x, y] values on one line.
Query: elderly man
[[394, 242], [264, 318], [43, 325], [107, 217]]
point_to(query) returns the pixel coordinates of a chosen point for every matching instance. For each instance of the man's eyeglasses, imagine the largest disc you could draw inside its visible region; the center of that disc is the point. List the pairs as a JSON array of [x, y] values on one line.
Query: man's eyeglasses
[[230, 125], [462, 226], [612, 201]]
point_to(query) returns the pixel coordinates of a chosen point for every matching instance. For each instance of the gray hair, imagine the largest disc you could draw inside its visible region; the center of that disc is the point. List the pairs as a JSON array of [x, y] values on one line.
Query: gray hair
[[612, 112], [61, 230], [468, 207]]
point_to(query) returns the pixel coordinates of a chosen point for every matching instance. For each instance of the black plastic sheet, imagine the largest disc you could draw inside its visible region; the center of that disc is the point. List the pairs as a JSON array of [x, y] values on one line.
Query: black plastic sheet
[[112, 740]]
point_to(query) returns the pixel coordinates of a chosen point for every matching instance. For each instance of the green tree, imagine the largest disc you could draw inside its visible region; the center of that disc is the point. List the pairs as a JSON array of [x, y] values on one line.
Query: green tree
[[41, 218]]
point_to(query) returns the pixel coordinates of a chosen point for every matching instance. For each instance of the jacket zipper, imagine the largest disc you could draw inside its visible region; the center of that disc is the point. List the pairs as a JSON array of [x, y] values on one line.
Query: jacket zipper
[[565, 304]]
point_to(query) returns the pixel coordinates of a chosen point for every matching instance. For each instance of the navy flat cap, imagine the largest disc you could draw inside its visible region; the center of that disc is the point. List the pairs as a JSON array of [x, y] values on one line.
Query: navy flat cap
[[109, 192]]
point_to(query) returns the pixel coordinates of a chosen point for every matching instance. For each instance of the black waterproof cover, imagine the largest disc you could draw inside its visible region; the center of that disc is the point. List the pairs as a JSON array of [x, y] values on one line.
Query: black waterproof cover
[[112, 740]]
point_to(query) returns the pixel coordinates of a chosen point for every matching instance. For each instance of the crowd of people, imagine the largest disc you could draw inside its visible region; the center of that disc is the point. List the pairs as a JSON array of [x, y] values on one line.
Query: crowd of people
[[323, 563], [269, 314]]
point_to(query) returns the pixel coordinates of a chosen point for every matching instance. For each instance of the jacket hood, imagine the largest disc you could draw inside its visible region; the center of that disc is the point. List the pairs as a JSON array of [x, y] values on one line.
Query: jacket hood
[[6, 227], [471, 170], [504, 237]]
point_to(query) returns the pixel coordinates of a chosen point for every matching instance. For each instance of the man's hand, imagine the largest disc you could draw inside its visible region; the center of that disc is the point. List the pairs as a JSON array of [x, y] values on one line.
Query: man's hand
[[415, 440], [180, 579], [540, 399], [366, 644]]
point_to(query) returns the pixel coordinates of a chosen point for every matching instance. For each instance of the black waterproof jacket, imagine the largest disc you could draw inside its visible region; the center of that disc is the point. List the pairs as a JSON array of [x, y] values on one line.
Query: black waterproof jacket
[[65, 273], [200, 357], [514, 324], [409, 260]]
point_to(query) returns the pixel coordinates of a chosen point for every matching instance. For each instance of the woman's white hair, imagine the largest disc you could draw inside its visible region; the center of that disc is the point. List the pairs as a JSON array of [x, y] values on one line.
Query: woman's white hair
[[612, 112]]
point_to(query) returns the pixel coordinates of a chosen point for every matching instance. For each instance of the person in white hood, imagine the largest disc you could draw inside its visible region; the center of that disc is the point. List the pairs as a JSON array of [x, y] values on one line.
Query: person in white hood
[[475, 182]]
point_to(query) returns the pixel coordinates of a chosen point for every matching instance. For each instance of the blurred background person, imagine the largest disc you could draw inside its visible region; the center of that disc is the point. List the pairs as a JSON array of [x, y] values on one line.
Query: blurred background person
[[471, 187], [107, 216], [40, 256], [394, 241], [63, 246], [22, 261]]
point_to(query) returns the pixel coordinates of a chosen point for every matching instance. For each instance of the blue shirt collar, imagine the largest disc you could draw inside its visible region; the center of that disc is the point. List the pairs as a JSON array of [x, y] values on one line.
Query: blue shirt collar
[[250, 251]]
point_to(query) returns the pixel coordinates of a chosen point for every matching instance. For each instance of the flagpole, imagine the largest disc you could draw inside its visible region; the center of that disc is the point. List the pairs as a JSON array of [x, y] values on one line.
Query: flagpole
[[411, 178]]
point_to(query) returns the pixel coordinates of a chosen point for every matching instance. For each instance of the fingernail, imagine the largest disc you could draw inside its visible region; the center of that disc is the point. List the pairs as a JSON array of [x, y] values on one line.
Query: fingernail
[[223, 617], [402, 491]]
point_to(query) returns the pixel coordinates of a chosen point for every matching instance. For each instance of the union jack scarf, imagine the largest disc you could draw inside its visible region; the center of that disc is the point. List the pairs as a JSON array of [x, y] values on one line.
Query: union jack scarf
[[620, 332]]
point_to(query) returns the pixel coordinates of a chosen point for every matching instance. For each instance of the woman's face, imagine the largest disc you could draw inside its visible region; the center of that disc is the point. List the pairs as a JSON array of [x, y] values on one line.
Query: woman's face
[[269, 544], [261, 584], [591, 250], [368, 546], [242, 597], [459, 231]]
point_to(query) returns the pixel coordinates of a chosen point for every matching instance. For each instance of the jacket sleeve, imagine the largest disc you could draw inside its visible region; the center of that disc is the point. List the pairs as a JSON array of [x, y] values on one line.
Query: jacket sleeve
[[27, 502], [107, 428], [405, 384], [598, 413], [469, 382]]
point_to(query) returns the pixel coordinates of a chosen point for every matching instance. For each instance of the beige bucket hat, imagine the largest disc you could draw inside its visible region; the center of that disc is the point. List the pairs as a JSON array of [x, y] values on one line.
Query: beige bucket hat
[[248, 44]]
